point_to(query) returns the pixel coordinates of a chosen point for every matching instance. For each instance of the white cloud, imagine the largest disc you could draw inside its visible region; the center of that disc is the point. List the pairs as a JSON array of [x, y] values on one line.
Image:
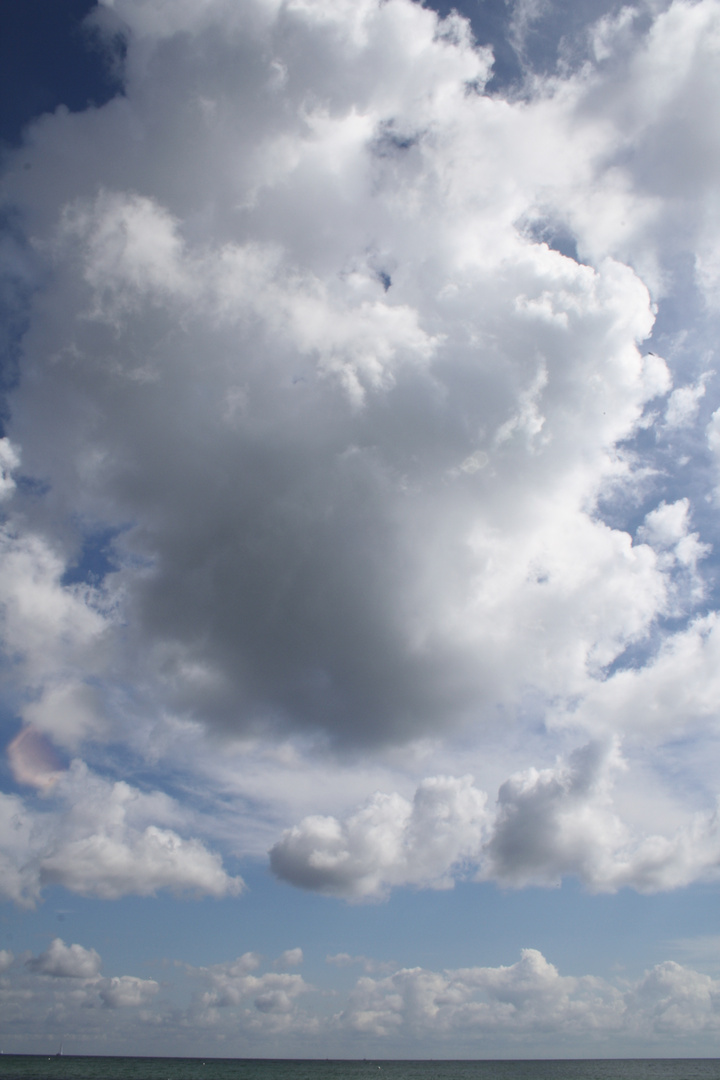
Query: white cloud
[[289, 958], [125, 991], [657, 196], [55, 635], [673, 695], [62, 990], [531, 999], [343, 959], [547, 824], [527, 996], [701, 951], [666, 525], [502, 351], [478, 1008], [103, 839], [66, 961], [684, 403], [713, 431], [9, 461], [556, 821], [267, 1001], [389, 841], [677, 1001], [667, 530], [18, 877]]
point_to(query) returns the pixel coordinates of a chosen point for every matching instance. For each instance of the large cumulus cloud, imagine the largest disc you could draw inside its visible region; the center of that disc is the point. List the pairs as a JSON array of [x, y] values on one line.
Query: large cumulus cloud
[[351, 420], [359, 450]]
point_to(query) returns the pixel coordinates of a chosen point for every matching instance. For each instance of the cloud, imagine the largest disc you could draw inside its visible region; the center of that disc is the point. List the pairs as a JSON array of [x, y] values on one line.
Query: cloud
[[547, 824], [658, 93], [289, 958], [66, 961], [677, 1000], [126, 991], [102, 839], [304, 544], [673, 695], [267, 1000], [19, 879], [684, 403], [527, 996], [54, 637], [522, 1004], [713, 433], [532, 999], [700, 951], [389, 841], [63, 988], [555, 821], [666, 528], [312, 667], [9, 461]]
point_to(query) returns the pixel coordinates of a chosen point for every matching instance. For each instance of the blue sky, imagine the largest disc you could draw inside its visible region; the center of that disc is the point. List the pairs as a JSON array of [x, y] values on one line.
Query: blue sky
[[359, 470]]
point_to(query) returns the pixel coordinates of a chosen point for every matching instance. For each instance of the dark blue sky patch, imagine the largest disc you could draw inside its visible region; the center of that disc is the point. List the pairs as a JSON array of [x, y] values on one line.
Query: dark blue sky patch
[[31, 487], [530, 42], [556, 235], [18, 276], [390, 141], [490, 21], [48, 58], [96, 559]]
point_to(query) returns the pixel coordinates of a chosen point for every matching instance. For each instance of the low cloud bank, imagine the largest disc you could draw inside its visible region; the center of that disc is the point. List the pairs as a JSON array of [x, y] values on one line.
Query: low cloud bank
[[526, 1004]]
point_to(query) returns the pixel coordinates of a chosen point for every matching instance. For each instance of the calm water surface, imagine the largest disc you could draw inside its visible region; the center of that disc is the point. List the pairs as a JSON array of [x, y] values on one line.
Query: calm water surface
[[22, 1067]]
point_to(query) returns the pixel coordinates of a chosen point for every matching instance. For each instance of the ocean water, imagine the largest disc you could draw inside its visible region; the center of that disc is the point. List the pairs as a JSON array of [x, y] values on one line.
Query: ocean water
[[26, 1067]]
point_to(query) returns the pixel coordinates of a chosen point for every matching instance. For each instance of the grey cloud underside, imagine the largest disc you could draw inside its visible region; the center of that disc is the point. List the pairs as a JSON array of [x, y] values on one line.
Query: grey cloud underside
[[339, 503], [303, 554]]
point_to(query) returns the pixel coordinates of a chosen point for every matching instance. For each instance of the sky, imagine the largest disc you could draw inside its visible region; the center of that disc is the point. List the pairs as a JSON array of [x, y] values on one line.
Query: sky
[[360, 481]]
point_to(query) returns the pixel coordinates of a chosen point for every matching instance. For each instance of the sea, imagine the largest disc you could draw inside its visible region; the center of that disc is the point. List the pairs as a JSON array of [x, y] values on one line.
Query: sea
[[36, 1067]]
